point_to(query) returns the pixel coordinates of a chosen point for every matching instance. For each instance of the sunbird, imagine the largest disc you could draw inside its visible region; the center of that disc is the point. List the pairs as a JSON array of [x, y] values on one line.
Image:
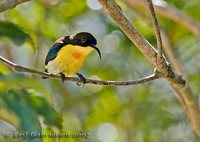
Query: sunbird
[[68, 54]]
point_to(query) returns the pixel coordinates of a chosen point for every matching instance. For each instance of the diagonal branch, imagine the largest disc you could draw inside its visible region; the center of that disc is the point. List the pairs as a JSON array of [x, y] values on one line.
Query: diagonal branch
[[10, 4], [168, 49], [178, 16], [18, 68], [175, 64], [175, 81], [156, 27], [172, 13], [143, 45], [165, 40]]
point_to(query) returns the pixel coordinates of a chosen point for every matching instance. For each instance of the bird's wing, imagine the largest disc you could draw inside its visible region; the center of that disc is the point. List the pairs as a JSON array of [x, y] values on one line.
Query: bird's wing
[[54, 50]]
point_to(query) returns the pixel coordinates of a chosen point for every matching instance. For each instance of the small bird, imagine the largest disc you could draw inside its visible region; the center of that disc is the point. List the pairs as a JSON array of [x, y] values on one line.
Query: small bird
[[68, 54]]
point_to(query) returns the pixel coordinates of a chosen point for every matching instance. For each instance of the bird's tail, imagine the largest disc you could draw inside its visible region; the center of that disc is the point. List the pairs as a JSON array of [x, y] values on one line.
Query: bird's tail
[[44, 77]]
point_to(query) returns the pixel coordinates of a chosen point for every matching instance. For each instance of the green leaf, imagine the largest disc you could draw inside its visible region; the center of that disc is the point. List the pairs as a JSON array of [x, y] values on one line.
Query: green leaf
[[29, 107], [52, 117], [14, 32], [28, 117]]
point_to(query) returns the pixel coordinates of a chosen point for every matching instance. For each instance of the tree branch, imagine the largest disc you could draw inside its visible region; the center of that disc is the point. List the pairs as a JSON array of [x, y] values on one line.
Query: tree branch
[[147, 49], [156, 27], [165, 40], [10, 4], [170, 54], [176, 15], [18, 68], [174, 80], [184, 97], [167, 47], [172, 13]]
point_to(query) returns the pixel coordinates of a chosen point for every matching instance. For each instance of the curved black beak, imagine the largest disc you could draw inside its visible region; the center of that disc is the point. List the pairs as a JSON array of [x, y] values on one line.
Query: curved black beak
[[93, 46]]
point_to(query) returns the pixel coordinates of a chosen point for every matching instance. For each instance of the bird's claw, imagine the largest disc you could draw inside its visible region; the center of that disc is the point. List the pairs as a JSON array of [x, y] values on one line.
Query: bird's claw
[[82, 78], [63, 78]]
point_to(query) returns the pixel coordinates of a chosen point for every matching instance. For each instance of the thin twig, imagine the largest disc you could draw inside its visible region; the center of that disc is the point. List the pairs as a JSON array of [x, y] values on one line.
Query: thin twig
[[164, 69], [78, 80], [167, 47], [173, 13], [10, 4], [170, 54], [156, 27], [165, 40], [132, 33], [178, 16]]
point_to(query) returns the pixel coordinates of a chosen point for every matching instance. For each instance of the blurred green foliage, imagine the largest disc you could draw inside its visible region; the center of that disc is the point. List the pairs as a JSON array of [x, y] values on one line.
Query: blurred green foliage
[[13, 32], [143, 113]]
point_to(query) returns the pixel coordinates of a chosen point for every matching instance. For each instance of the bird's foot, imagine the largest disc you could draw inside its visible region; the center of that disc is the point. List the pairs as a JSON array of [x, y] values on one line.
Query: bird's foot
[[44, 77], [63, 78], [82, 78]]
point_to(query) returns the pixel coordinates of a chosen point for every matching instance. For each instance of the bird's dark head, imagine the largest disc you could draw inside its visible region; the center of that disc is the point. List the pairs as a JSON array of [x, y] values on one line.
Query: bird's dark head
[[84, 39]]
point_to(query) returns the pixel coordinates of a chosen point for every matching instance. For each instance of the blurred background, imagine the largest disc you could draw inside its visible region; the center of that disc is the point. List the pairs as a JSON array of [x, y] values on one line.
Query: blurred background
[[142, 113]]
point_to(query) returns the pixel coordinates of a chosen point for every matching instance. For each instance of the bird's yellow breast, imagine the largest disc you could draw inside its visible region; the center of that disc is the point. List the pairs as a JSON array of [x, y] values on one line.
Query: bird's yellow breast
[[69, 60]]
